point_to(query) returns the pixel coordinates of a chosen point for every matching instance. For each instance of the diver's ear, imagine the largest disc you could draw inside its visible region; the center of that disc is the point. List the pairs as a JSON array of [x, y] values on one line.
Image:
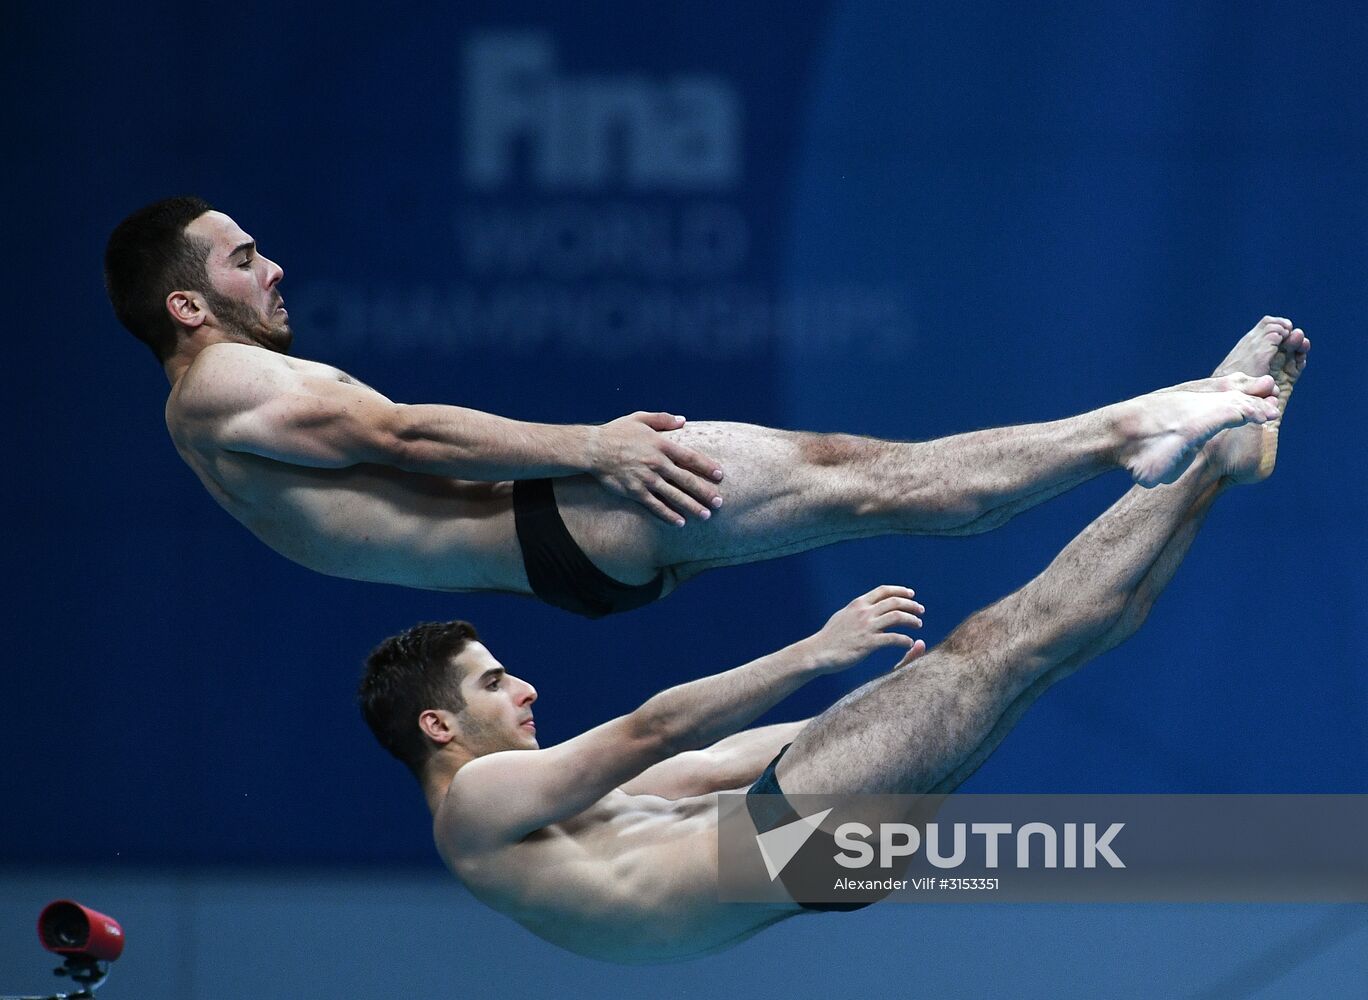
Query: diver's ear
[[188, 309], [437, 725]]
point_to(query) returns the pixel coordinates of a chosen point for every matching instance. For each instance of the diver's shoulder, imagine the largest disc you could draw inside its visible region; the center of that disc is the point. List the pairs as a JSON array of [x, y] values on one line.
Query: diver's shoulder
[[225, 377]]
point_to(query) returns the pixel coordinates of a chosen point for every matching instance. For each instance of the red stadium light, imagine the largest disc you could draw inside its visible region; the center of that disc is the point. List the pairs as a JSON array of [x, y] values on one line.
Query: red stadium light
[[77, 931]]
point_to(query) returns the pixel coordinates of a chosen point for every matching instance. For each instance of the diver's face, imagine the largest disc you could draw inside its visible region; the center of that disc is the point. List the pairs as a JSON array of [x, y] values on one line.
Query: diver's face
[[498, 706], [243, 294]]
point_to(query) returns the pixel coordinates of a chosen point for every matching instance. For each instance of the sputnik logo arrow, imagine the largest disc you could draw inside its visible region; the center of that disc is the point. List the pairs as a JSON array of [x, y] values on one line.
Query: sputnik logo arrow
[[778, 846]]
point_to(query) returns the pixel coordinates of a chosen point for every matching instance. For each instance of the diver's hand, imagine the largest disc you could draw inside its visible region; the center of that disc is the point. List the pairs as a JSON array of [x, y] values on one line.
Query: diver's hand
[[864, 626], [631, 457]]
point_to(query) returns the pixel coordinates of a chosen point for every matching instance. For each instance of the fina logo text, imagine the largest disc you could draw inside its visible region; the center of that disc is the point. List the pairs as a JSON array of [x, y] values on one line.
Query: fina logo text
[[592, 131]]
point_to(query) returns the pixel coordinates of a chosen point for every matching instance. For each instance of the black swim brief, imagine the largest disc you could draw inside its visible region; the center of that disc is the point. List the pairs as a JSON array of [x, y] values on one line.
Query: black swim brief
[[811, 874], [559, 572]]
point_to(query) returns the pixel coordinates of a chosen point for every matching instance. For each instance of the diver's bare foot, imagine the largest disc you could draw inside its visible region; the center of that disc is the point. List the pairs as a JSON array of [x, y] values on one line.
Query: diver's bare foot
[[1253, 353], [1248, 454], [1163, 431]]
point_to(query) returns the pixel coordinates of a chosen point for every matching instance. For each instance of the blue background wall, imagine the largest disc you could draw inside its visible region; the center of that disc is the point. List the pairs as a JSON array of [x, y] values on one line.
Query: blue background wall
[[899, 220]]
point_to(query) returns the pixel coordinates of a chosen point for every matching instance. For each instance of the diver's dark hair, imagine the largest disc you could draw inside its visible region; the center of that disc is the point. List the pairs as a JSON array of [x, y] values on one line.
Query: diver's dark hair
[[149, 256], [406, 675]]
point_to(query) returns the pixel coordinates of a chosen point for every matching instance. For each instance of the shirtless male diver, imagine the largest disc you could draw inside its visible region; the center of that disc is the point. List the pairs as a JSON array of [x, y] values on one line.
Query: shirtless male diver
[[334, 476], [607, 844]]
